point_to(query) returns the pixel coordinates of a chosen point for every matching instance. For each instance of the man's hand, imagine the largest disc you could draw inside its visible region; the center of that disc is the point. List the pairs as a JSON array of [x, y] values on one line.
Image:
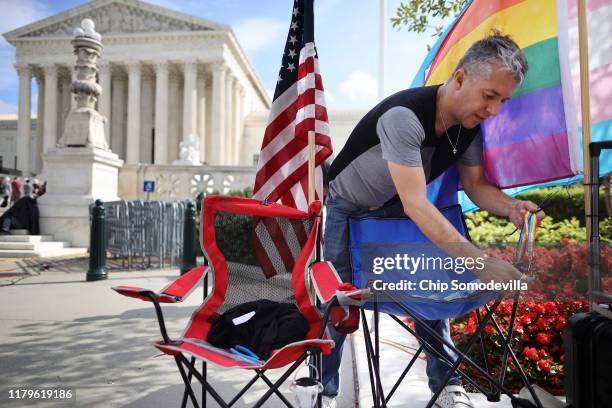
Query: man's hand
[[517, 211], [492, 199], [498, 271]]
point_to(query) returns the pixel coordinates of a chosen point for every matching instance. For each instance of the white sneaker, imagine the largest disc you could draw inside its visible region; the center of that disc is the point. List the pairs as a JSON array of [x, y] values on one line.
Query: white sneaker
[[453, 396], [328, 402]]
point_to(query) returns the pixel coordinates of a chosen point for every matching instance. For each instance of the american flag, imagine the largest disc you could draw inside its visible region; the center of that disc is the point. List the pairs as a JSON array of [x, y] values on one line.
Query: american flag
[[298, 107]]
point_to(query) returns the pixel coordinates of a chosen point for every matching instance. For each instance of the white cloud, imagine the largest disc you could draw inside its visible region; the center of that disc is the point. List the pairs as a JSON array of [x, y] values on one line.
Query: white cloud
[[359, 85], [7, 108], [259, 33], [17, 13]]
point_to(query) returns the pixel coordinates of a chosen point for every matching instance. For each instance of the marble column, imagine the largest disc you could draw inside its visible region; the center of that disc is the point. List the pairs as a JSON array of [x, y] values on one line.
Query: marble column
[[40, 128], [229, 114], [117, 136], [237, 123], [174, 122], [161, 113], [132, 154], [24, 119], [208, 130], [217, 117], [65, 105], [50, 124], [190, 100], [104, 100], [201, 116], [146, 119]]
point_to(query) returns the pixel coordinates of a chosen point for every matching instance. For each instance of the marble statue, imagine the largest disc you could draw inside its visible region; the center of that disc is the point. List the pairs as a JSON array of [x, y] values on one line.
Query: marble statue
[[189, 153]]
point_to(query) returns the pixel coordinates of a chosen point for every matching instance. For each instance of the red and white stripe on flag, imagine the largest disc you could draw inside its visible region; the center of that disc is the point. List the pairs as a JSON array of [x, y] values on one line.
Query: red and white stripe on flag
[[282, 171]]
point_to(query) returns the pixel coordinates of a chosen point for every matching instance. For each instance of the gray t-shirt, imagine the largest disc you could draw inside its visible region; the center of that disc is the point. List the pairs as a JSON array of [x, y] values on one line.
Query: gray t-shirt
[[366, 181]]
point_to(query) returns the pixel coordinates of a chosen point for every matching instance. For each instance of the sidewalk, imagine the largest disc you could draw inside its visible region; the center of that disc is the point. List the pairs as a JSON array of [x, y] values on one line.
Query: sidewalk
[[56, 329], [397, 347]]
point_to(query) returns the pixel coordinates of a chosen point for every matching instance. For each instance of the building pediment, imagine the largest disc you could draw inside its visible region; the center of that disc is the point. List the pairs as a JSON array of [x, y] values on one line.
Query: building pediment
[[115, 17]]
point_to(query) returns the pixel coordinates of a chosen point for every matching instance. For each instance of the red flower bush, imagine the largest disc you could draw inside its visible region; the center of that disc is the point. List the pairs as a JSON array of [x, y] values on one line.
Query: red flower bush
[[537, 340], [560, 273], [544, 366], [559, 291]]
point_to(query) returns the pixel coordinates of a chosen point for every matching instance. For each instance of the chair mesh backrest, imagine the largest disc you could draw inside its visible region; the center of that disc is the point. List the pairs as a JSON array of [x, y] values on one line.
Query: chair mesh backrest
[[260, 253], [256, 251]]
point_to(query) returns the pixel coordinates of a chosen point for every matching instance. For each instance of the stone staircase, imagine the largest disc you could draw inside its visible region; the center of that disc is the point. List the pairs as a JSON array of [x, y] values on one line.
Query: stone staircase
[[18, 244]]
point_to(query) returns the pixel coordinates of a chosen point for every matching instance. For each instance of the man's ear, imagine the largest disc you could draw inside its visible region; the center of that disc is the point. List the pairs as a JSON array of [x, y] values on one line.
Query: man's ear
[[460, 77]]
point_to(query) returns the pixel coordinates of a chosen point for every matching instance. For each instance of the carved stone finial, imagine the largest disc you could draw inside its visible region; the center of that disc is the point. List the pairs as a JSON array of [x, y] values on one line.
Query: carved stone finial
[[87, 48], [87, 29], [84, 125]]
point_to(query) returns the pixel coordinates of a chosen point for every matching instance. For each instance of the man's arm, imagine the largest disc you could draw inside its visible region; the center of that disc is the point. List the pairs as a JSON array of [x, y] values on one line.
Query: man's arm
[[411, 187], [490, 198]]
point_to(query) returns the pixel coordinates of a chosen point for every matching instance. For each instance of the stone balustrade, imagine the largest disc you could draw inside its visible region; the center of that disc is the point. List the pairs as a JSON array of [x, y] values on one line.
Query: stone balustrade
[[174, 182]]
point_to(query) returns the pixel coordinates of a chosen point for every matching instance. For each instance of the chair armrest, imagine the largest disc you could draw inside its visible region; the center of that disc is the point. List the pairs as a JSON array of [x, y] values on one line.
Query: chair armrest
[[175, 292], [328, 285], [342, 299]]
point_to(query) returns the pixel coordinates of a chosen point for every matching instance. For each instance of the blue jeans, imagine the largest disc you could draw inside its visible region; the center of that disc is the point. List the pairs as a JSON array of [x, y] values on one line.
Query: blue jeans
[[336, 250]]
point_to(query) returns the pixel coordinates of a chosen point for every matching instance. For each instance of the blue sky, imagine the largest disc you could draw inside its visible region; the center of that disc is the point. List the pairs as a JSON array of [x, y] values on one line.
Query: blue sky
[[346, 35]]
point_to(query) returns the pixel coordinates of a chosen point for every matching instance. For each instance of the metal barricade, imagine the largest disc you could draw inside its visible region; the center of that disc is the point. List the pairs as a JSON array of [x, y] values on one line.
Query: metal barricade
[[145, 234], [154, 243], [173, 232], [118, 231]]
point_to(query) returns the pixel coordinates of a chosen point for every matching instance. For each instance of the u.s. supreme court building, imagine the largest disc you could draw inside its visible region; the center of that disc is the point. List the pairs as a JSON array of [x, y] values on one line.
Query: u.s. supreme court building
[[165, 76]]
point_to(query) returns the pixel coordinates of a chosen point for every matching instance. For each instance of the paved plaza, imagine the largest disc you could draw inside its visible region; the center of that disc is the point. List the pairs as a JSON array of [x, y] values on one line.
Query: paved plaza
[[57, 330]]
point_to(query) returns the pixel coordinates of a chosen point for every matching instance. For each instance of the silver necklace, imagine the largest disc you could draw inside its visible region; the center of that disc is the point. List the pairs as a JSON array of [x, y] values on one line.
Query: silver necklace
[[448, 137]]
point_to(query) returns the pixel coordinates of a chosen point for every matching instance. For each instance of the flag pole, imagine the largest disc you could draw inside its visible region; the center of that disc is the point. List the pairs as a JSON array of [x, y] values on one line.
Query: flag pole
[[311, 194], [311, 166], [583, 47]]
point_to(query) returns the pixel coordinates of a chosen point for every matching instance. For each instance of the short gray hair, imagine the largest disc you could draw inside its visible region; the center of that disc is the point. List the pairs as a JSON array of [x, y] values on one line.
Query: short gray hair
[[496, 49]]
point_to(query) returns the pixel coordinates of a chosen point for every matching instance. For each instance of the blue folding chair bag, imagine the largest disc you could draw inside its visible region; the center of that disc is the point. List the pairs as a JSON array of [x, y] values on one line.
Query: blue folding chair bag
[[387, 251]]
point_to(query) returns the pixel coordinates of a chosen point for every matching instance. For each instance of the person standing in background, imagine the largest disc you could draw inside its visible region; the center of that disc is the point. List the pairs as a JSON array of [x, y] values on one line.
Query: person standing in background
[[5, 191], [16, 189], [28, 188]]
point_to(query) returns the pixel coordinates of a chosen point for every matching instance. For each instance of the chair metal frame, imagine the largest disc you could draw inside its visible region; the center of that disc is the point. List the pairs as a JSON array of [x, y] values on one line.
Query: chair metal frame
[[373, 351], [373, 354], [313, 354]]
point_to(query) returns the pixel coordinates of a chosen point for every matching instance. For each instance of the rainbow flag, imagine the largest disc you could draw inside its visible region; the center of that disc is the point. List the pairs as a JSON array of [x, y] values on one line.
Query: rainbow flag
[[599, 16], [535, 137]]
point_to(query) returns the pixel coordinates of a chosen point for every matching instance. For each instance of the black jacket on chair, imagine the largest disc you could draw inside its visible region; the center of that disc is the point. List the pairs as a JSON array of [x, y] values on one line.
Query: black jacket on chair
[[273, 326]]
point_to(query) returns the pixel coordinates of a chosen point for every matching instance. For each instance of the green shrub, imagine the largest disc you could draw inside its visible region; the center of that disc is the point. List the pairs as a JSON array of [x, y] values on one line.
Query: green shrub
[[562, 203], [232, 241], [488, 230], [247, 192]]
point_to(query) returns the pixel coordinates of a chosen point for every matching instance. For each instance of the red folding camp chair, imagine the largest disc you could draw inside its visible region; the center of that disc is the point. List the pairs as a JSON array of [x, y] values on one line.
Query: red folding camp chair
[[255, 250]]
